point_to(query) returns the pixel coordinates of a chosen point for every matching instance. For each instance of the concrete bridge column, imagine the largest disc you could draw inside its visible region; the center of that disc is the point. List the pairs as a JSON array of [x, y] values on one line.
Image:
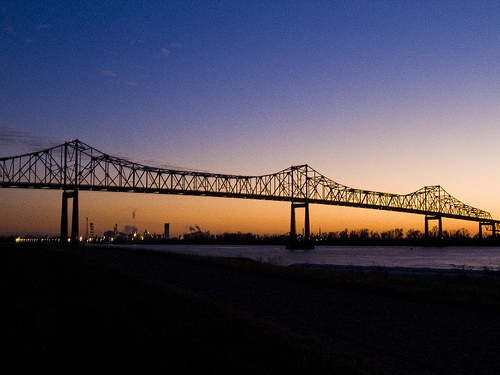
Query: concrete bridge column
[[75, 223], [481, 225], [440, 225], [64, 218], [74, 219], [293, 230], [493, 229]]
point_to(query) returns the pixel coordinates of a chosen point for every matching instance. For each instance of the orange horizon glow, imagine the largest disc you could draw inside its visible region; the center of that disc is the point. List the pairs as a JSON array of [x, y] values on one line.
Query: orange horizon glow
[[35, 211]]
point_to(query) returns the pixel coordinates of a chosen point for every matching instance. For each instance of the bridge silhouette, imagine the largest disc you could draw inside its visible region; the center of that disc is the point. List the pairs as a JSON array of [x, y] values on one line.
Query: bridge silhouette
[[75, 166]]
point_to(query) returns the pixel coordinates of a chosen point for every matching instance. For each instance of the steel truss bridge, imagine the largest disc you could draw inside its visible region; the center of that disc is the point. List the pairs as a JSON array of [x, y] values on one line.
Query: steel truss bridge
[[75, 166]]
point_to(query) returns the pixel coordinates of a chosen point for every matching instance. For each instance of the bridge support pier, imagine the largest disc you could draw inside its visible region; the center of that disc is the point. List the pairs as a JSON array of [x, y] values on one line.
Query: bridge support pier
[[74, 219], [440, 225], [481, 225], [493, 228], [294, 242]]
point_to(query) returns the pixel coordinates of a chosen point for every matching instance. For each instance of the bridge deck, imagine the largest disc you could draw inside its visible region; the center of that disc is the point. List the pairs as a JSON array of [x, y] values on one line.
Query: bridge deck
[[77, 166]]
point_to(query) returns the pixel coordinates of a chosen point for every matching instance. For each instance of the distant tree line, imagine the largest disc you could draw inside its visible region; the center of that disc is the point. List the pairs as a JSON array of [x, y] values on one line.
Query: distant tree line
[[359, 237], [392, 237], [356, 237]]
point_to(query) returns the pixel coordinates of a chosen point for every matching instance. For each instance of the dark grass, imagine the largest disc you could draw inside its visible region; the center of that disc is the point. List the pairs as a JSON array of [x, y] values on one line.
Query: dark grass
[[481, 292], [61, 311]]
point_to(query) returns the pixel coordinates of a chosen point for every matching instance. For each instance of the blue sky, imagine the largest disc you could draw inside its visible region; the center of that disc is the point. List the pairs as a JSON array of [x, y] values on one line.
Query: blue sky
[[380, 95]]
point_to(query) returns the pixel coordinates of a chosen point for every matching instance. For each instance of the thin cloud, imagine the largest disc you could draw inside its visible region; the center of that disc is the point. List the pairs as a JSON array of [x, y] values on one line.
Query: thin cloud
[[44, 26], [109, 73], [25, 142], [157, 164], [8, 29], [165, 52]]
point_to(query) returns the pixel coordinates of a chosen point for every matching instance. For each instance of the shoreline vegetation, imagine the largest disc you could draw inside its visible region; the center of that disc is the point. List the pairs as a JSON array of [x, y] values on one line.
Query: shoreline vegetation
[[361, 237], [63, 310]]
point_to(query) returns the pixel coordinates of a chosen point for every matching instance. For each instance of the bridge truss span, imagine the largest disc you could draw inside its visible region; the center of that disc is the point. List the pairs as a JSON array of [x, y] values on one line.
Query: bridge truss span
[[75, 166]]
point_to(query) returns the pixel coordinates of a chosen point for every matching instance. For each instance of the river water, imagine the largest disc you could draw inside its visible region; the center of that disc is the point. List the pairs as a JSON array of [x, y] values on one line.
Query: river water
[[468, 258]]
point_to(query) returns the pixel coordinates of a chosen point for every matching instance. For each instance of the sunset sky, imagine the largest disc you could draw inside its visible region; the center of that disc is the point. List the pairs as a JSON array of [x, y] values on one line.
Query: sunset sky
[[379, 95]]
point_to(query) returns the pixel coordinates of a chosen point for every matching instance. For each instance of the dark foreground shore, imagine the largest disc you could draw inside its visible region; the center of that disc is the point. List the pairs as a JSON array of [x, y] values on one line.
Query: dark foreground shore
[[101, 310]]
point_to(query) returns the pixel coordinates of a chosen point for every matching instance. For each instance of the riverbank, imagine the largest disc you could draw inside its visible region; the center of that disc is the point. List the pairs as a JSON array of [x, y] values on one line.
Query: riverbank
[[486, 275], [124, 307], [62, 311]]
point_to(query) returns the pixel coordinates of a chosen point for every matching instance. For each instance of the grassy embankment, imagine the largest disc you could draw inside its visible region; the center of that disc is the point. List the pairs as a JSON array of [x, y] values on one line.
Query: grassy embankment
[[63, 311], [66, 311], [482, 292]]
